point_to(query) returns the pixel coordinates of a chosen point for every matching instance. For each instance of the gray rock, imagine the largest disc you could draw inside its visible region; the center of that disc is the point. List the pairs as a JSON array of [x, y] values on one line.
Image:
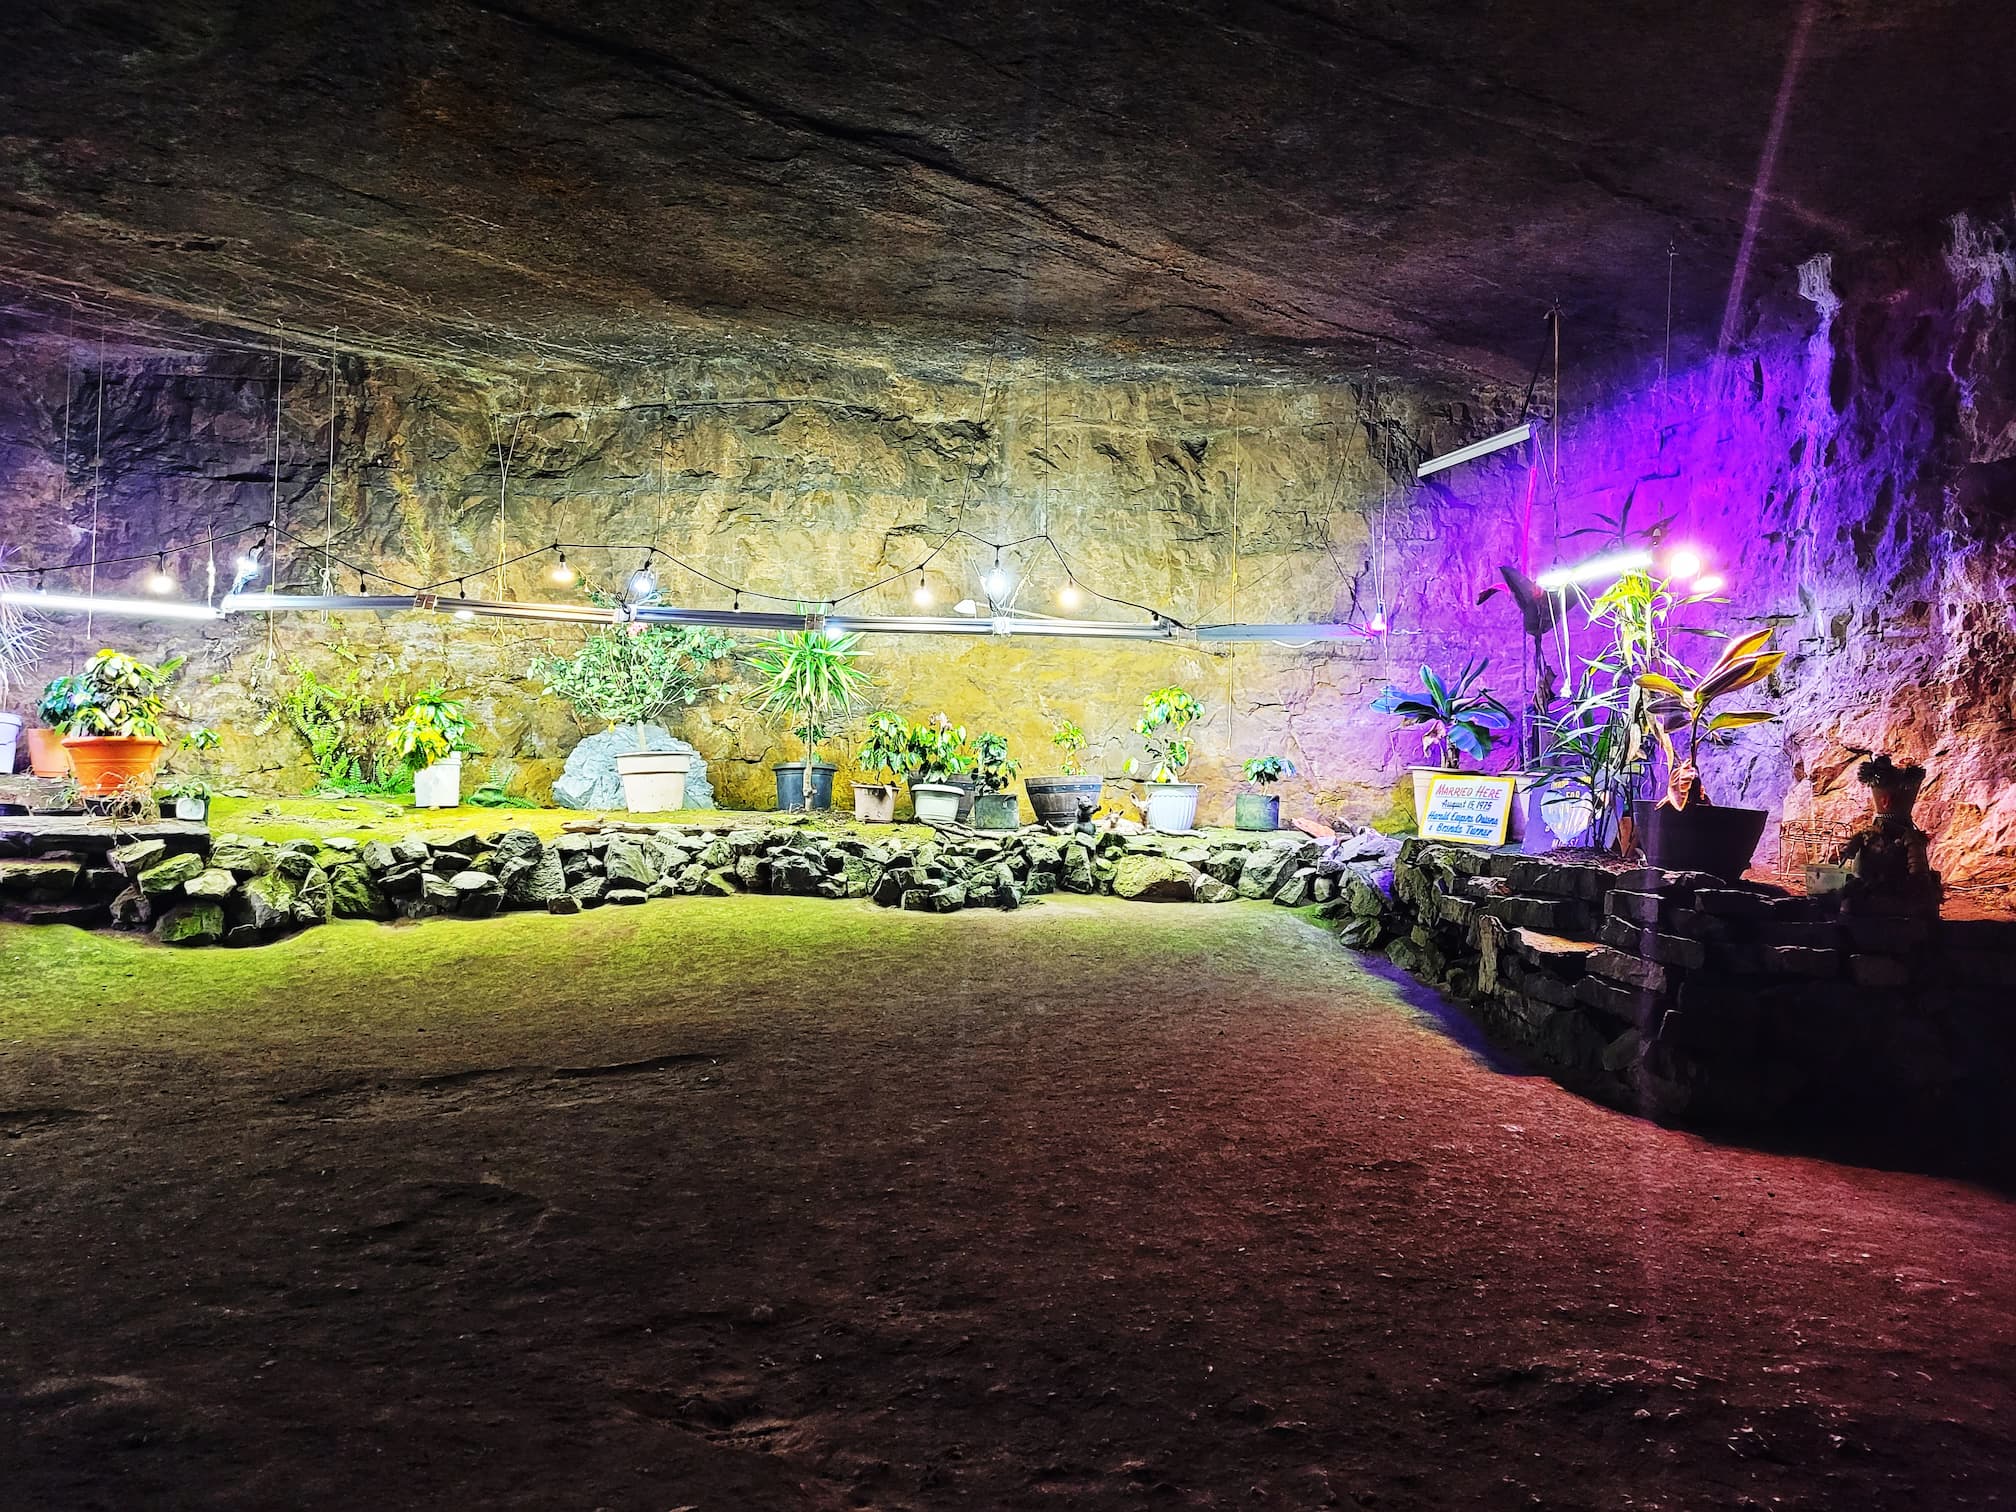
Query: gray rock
[[631, 863], [131, 860], [1077, 875], [588, 891], [166, 876], [379, 858], [1153, 878], [242, 857], [478, 894], [132, 910], [266, 902], [1266, 869], [314, 899], [538, 882], [1298, 889], [191, 924], [625, 896], [402, 881], [1211, 890], [564, 904], [294, 865], [590, 779], [211, 885], [355, 895], [412, 851]]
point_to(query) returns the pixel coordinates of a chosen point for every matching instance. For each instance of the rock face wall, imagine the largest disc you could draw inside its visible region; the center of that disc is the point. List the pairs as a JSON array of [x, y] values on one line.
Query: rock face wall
[[1852, 472], [1206, 495]]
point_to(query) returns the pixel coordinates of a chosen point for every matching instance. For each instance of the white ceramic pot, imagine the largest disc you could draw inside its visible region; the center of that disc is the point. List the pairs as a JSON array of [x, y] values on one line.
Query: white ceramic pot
[[1171, 807], [937, 802], [654, 782], [439, 785], [10, 732], [1422, 777], [875, 802], [192, 810]]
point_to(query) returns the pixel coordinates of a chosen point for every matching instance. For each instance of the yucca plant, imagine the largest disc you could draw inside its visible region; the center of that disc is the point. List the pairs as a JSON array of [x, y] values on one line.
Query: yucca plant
[[1461, 718], [1683, 706], [810, 676]]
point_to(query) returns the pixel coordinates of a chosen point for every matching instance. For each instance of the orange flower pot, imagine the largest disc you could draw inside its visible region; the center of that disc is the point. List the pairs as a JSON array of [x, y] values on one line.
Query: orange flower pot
[[105, 764], [46, 756]]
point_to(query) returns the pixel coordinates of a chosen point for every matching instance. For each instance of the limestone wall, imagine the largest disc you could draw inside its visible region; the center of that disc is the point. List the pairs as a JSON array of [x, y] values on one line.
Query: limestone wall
[[1205, 494]]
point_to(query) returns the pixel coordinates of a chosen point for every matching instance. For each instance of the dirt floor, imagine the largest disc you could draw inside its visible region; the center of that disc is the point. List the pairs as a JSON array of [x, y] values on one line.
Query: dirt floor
[[776, 1203]]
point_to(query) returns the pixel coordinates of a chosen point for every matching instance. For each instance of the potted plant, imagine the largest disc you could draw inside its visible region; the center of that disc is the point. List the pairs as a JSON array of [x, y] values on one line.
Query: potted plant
[[21, 646], [1685, 831], [887, 751], [938, 751], [629, 677], [1261, 810], [53, 711], [431, 737], [1458, 718], [113, 731], [1061, 801], [809, 675], [1170, 803], [995, 807], [187, 792]]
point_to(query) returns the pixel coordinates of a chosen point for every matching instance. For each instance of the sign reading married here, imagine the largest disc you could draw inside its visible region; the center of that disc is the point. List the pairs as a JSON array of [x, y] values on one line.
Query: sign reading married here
[[1473, 810]]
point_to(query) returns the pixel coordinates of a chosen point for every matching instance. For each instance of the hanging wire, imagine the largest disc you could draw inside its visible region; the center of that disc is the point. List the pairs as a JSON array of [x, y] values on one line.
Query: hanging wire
[[329, 476], [97, 472]]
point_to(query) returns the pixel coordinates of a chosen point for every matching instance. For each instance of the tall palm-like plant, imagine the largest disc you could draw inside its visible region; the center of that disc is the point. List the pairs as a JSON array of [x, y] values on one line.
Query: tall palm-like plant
[[1681, 703], [810, 676]]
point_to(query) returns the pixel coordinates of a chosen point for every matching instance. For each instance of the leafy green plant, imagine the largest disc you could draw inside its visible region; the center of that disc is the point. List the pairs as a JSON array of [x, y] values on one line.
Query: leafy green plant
[[1458, 716], [182, 786], [493, 796], [938, 750], [58, 703], [993, 768], [633, 674], [1166, 717], [1265, 771], [887, 750], [1071, 742], [119, 695], [343, 725], [810, 676], [1681, 703], [430, 729]]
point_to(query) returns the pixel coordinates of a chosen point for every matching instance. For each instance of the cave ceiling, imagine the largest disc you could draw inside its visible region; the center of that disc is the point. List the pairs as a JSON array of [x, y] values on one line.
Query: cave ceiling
[[1403, 185]]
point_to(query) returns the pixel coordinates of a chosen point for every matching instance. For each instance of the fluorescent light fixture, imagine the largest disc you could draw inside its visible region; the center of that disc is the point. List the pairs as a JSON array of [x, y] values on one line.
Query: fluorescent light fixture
[[1701, 587], [132, 608], [1685, 562], [1309, 632], [1476, 449], [1617, 563], [267, 603]]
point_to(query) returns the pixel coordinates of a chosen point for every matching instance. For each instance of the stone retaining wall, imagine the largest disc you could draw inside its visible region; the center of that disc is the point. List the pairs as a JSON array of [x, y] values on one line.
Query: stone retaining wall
[[1684, 997]]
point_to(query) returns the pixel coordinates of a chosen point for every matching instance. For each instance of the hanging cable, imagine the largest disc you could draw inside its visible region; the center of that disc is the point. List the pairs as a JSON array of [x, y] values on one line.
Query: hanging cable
[[329, 476], [97, 472]]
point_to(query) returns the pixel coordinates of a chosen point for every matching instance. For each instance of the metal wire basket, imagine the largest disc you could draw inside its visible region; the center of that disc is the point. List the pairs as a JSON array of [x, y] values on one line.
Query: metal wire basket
[[1805, 842]]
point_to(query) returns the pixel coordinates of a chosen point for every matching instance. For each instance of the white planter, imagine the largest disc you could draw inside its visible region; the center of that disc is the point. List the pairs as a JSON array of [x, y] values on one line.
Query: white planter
[[10, 732], [654, 782], [937, 802], [875, 802], [1422, 777], [192, 810], [439, 785], [1171, 807]]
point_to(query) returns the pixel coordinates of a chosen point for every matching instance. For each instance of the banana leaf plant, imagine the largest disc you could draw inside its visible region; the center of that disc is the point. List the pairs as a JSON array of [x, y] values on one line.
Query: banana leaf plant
[[1461, 718], [1682, 706]]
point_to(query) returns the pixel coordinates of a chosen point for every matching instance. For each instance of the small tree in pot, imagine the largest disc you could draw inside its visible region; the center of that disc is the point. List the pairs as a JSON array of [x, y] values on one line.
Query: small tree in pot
[[1166, 717], [188, 792], [995, 808], [1061, 801], [113, 732], [1261, 810], [810, 676], [886, 750], [939, 754], [631, 677], [431, 737]]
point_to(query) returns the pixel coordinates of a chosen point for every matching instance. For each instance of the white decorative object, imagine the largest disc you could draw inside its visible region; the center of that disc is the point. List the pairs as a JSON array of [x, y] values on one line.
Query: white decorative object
[[654, 782], [192, 810], [10, 732], [937, 802], [1171, 807], [439, 785]]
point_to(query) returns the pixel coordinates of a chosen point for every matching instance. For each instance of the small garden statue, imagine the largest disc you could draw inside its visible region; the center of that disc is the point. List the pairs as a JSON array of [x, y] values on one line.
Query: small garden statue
[[1888, 857]]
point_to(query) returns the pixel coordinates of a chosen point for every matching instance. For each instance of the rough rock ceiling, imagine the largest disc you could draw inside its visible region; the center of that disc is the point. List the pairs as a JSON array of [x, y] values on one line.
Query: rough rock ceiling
[[533, 179]]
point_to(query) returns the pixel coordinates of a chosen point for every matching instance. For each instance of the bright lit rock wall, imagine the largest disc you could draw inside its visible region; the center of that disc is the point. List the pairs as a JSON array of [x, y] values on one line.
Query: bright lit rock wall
[[1206, 494]]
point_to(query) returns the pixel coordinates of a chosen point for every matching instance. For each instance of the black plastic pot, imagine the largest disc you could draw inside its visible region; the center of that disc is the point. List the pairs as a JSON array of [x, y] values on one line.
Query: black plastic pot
[[1701, 837], [1057, 799], [791, 785], [997, 811], [969, 789], [1256, 811]]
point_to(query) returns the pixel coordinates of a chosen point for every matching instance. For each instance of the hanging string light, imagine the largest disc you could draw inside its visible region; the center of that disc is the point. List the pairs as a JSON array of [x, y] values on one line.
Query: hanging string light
[[161, 580], [922, 597], [1068, 595], [996, 581], [462, 593], [561, 573], [643, 582]]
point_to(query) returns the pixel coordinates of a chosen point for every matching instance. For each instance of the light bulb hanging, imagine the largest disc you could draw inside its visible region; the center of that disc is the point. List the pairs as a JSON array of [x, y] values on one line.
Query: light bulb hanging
[[160, 580], [561, 573], [462, 593], [643, 582], [922, 597], [996, 581], [1068, 595]]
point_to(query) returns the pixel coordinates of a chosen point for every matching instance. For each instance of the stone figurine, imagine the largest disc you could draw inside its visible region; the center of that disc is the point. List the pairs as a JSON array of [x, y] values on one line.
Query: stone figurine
[[1888, 858]]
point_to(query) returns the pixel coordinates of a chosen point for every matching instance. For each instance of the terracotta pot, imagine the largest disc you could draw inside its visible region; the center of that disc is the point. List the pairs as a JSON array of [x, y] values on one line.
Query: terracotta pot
[[46, 756], [105, 764]]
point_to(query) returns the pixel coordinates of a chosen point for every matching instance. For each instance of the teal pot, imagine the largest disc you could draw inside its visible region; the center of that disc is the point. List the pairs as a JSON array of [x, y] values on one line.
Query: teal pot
[[1256, 811], [1171, 807], [791, 785], [997, 811], [935, 802], [1060, 802], [1701, 837]]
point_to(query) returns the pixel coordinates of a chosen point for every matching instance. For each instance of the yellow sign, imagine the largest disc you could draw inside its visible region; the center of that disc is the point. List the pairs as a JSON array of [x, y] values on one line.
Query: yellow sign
[[1474, 810]]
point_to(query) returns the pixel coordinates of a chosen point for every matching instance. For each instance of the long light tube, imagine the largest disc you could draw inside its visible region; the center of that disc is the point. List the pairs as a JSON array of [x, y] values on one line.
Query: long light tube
[[1616, 563], [84, 603], [1476, 449]]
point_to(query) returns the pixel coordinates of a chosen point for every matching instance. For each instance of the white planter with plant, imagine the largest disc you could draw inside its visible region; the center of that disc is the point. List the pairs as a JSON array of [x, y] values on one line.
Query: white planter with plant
[[21, 646], [430, 737], [938, 753], [633, 675], [886, 751], [186, 794], [811, 677], [1168, 802], [1457, 717]]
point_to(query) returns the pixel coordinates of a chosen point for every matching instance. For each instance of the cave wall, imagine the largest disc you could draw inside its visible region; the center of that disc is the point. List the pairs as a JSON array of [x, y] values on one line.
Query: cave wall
[[1850, 466], [1205, 493]]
